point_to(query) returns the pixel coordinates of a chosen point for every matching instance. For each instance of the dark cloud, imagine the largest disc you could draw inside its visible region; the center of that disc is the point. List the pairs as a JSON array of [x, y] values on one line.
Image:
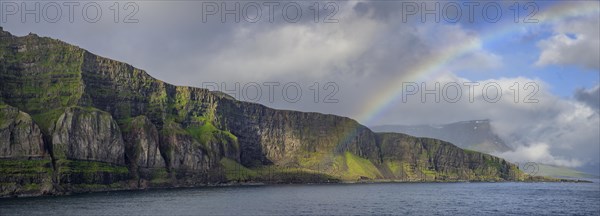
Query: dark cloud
[[382, 10], [590, 97], [469, 14]]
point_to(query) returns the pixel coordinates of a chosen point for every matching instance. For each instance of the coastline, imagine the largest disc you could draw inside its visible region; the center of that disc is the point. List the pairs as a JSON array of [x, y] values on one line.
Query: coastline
[[253, 183]]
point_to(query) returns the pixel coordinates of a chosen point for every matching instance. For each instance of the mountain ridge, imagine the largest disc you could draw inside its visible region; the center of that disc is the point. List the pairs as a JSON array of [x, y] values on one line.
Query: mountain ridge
[[474, 134], [106, 125]]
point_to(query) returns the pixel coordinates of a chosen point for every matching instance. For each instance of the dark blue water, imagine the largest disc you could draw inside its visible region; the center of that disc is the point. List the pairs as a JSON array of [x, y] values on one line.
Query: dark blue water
[[340, 199]]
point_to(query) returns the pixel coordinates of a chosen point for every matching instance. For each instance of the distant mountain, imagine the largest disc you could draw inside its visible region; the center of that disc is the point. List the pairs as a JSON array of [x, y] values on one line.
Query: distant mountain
[[475, 135]]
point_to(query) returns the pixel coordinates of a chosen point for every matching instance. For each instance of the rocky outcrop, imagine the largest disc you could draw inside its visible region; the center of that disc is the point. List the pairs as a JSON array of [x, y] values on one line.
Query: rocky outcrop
[[20, 137], [182, 151], [87, 134], [141, 144]]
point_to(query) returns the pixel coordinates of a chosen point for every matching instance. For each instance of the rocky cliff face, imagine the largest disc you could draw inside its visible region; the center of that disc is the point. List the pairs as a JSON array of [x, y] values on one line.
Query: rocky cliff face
[[107, 125], [142, 143], [430, 158], [87, 134], [475, 135], [181, 150], [269, 136], [20, 137]]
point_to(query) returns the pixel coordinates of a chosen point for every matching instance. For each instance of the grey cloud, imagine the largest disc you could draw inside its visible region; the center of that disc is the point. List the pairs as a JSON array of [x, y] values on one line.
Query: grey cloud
[[382, 10], [591, 96], [554, 130]]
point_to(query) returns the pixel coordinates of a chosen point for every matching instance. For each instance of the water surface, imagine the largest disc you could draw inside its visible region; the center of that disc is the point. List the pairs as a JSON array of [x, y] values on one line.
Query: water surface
[[330, 199]]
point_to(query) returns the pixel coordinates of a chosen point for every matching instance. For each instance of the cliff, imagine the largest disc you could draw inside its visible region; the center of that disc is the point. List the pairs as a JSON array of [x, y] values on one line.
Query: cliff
[[475, 135], [72, 121]]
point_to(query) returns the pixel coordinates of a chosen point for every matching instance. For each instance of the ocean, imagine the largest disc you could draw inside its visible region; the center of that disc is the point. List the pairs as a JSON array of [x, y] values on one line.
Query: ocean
[[507, 198]]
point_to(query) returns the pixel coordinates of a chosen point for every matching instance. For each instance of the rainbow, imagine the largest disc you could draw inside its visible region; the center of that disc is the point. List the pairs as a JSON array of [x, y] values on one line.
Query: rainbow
[[433, 66]]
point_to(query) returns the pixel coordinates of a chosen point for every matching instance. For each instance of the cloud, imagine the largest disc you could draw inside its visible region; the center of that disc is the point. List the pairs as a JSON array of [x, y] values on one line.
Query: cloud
[[565, 131], [311, 50], [568, 131], [591, 96], [574, 41], [441, 37], [538, 152]]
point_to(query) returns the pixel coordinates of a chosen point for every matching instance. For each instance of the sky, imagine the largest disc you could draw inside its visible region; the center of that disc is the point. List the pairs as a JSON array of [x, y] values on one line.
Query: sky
[[379, 62]]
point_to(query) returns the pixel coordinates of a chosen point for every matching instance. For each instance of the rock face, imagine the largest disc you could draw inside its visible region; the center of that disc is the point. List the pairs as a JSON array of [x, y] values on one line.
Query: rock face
[[475, 135], [39, 74], [181, 150], [105, 122], [141, 143], [19, 135], [269, 136], [410, 157], [87, 134]]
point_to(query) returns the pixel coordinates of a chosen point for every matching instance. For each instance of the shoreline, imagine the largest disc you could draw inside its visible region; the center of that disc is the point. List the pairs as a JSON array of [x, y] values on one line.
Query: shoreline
[[248, 184]]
